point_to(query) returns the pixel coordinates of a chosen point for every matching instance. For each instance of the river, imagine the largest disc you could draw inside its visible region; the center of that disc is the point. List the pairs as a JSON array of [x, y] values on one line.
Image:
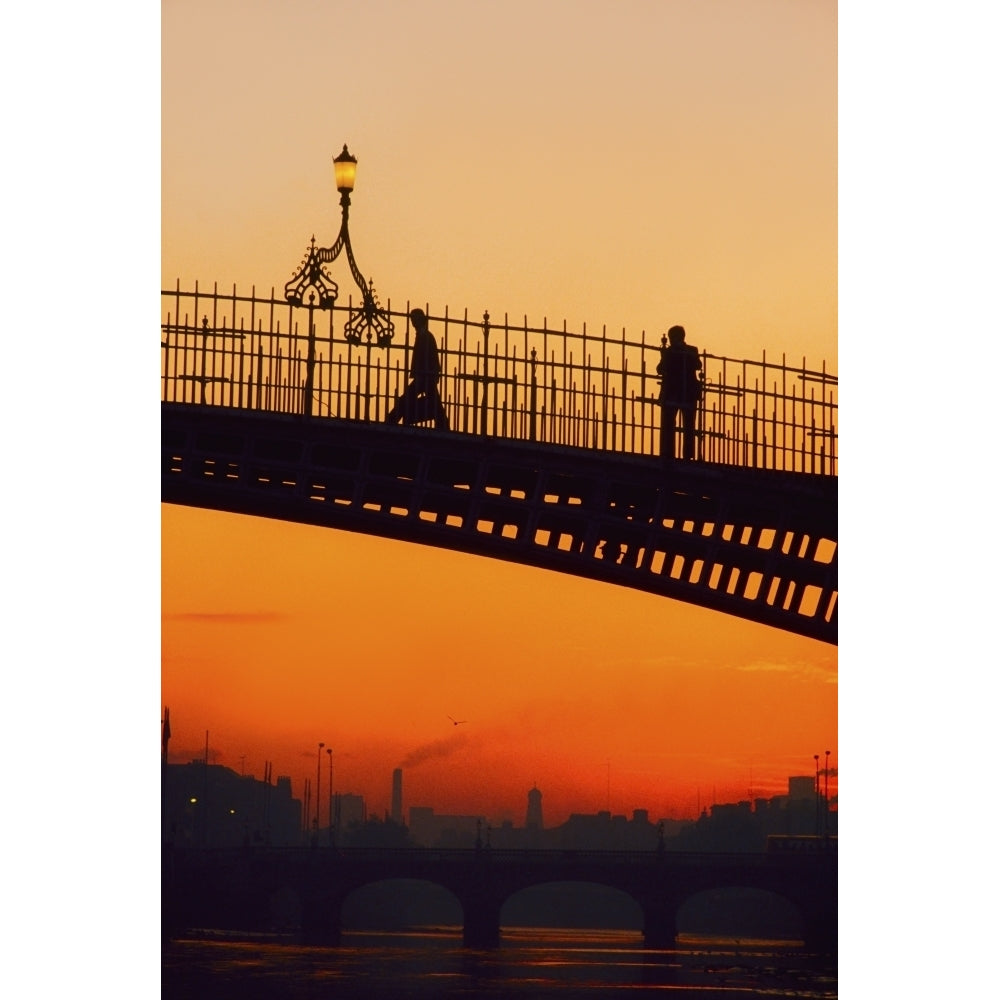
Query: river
[[530, 963]]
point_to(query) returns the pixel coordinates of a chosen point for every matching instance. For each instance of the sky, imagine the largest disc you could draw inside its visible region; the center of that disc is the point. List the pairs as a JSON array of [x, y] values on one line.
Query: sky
[[88, 180], [627, 166]]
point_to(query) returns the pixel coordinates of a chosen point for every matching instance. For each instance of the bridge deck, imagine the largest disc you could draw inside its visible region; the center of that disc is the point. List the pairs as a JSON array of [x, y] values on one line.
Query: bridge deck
[[758, 543]]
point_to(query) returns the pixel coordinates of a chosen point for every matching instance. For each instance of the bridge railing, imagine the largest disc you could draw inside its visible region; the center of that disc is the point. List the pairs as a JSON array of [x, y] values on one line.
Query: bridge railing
[[500, 378]]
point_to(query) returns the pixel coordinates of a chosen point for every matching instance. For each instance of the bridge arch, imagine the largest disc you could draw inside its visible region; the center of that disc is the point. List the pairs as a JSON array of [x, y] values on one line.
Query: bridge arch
[[395, 904], [741, 912], [572, 903]]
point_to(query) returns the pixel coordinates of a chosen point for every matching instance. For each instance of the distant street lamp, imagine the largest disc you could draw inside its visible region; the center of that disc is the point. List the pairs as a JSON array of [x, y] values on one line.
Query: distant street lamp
[[826, 796], [318, 786], [816, 789], [329, 800]]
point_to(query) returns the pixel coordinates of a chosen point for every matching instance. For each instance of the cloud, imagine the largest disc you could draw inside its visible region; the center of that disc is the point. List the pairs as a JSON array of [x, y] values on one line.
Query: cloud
[[227, 617], [436, 749], [802, 671]]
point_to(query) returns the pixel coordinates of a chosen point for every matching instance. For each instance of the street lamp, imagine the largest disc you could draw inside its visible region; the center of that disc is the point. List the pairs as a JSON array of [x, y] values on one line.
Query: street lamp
[[318, 787], [313, 277], [816, 788], [826, 796], [329, 801]]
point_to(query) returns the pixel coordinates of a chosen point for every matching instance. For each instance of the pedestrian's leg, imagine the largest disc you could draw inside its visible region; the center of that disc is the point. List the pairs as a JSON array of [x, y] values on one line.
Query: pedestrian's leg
[[440, 417]]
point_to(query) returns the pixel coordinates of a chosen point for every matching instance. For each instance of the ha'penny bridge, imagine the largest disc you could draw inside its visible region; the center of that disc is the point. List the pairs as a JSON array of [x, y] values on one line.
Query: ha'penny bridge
[[275, 405], [552, 458]]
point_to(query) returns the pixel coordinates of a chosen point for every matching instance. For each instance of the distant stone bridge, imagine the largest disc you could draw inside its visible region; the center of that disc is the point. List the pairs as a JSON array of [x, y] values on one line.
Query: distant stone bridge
[[233, 888]]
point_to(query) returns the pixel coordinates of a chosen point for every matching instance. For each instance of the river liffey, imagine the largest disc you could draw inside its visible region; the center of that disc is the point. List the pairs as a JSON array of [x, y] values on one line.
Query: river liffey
[[530, 962]]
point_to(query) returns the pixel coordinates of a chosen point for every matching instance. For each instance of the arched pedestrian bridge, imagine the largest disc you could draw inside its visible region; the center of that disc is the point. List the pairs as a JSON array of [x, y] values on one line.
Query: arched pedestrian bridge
[[551, 459], [232, 888]]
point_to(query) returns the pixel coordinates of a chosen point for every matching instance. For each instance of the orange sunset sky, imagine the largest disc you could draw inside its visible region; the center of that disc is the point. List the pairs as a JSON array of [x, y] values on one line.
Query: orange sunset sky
[[634, 165]]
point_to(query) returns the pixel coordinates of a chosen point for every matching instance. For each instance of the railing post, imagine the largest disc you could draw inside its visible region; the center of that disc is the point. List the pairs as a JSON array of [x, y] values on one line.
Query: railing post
[[483, 426], [310, 362], [533, 402]]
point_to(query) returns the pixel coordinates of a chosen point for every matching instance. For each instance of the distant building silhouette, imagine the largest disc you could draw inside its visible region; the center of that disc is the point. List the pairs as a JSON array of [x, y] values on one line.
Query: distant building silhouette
[[802, 787], [208, 805], [348, 809], [533, 821], [397, 796]]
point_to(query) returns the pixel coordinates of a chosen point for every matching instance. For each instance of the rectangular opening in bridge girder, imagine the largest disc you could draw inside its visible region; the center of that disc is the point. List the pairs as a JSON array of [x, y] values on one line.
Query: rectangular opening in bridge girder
[[512, 481], [696, 569], [766, 539], [656, 563], [809, 602], [556, 498], [513, 494], [677, 567], [543, 536], [566, 489], [772, 591], [831, 606], [565, 543], [734, 580], [746, 535], [751, 589], [485, 526], [825, 549], [727, 532], [715, 576]]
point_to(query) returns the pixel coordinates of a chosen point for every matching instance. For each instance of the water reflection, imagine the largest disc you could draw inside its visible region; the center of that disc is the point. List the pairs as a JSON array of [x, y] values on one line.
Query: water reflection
[[531, 962]]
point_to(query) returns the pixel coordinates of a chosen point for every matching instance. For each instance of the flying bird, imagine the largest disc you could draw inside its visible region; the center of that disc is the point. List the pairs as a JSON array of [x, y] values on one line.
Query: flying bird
[[457, 722]]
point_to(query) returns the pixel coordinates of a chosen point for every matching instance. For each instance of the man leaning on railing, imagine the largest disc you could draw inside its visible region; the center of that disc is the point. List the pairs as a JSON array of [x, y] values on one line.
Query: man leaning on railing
[[680, 389]]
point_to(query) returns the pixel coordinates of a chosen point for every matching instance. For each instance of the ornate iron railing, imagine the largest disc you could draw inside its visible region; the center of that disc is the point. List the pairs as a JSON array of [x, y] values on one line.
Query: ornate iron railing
[[502, 379]]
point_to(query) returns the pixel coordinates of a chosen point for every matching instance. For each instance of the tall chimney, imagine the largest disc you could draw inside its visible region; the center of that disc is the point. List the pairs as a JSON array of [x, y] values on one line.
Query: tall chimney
[[397, 796]]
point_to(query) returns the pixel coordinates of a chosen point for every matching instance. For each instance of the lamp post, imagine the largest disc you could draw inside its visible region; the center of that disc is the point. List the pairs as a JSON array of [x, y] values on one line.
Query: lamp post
[[816, 788], [329, 798], [826, 797], [318, 787], [371, 318]]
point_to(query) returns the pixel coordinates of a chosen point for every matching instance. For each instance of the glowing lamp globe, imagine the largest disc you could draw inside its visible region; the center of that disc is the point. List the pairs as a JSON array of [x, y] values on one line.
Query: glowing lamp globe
[[345, 167]]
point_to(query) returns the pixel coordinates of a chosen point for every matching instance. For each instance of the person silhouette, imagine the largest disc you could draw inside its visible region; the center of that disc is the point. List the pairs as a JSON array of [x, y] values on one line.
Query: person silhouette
[[680, 390], [420, 400]]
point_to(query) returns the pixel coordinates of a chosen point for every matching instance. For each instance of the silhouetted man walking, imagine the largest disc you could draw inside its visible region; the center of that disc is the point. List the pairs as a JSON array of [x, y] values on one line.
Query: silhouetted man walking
[[680, 390], [420, 400]]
